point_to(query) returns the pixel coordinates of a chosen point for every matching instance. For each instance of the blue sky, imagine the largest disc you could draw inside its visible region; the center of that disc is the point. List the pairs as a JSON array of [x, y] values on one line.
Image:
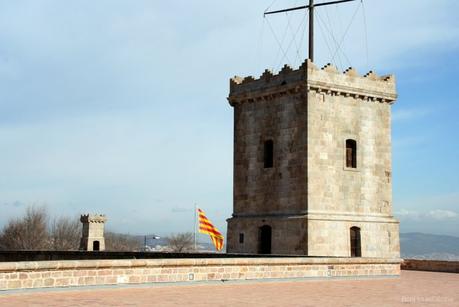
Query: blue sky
[[119, 107]]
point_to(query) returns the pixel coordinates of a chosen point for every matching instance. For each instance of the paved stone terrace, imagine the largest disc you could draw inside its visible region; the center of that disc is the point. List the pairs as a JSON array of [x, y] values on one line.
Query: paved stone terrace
[[412, 289]]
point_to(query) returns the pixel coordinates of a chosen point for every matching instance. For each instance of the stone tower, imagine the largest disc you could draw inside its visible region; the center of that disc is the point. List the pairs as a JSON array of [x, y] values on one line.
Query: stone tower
[[312, 164], [93, 232]]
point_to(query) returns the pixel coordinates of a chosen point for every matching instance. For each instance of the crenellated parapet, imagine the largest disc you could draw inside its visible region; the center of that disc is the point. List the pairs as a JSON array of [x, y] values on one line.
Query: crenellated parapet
[[93, 218], [327, 80]]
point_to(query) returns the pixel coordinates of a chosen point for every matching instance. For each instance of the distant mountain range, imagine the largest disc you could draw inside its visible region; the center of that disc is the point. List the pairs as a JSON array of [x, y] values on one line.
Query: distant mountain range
[[417, 245]]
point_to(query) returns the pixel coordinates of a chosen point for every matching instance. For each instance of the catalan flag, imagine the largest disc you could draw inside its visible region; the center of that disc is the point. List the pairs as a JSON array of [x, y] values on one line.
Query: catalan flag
[[206, 227]]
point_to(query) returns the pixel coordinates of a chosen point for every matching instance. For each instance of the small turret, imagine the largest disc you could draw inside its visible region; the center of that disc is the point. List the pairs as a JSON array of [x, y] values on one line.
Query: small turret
[[92, 238]]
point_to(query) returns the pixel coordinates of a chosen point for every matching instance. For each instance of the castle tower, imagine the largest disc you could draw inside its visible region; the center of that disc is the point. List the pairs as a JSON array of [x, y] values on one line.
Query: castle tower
[[93, 232], [312, 164]]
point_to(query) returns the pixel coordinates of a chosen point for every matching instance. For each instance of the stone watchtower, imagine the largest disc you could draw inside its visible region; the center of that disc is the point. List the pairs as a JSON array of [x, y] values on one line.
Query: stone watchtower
[[312, 164], [93, 232]]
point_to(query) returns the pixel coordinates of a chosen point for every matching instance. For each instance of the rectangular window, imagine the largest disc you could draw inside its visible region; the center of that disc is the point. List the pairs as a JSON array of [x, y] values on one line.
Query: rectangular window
[[241, 238], [351, 153], [268, 154]]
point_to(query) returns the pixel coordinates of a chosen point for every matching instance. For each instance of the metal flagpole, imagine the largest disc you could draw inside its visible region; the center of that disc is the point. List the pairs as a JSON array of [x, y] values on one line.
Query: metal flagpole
[[195, 224], [311, 30]]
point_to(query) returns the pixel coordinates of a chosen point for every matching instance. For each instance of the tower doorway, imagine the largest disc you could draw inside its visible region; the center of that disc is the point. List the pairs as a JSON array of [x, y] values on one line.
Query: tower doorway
[[264, 246], [355, 242], [95, 246]]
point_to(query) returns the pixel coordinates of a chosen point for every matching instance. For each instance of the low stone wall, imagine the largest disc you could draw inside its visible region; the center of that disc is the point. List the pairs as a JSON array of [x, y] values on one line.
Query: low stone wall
[[430, 265], [45, 255], [20, 275]]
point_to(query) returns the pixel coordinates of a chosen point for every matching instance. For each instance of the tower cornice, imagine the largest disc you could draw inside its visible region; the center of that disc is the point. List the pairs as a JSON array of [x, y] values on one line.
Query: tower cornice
[[327, 80]]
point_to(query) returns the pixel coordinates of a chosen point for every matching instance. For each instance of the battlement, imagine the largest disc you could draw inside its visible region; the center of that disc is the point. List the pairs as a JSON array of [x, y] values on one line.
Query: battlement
[[93, 218], [326, 80]]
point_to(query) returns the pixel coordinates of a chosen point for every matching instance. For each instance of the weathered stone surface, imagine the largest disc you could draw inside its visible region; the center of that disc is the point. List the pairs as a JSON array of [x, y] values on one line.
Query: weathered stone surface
[[430, 265], [309, 198]]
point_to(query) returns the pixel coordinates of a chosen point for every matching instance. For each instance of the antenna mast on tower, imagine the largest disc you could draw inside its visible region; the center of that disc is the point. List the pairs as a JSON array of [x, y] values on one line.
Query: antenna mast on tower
[[310, 7]]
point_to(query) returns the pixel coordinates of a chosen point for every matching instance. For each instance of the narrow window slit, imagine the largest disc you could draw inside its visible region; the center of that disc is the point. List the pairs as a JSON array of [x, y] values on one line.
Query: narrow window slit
[[351, 153], [268, 154], [356, 250]]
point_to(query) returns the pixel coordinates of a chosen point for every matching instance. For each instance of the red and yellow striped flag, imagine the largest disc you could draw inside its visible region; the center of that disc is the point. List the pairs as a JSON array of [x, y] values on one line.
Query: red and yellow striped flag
[[205, 226]]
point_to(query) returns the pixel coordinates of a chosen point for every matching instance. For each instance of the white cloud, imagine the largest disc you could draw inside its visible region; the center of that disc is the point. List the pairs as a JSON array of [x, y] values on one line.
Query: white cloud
[[430, 214], [437, 215], [437, 221], [407, 214], [442, 214], [400, 115], [449, 201]]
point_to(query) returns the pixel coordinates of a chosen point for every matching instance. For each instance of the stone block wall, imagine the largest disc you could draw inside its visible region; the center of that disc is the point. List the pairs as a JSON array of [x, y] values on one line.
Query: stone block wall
[[45, 274], [289, 235], [430, 265], [332, 237], [281, 188], [333, 187]]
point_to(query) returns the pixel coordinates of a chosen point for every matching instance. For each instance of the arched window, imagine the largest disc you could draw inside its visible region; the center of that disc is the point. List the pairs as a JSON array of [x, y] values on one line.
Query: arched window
[[95, 245], [351, 153], [268, 155], [356, 250]]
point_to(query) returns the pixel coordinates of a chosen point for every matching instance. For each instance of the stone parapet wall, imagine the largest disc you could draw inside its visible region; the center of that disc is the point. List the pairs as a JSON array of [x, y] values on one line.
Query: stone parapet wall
[[43, 274], [328, 79], [93, 218], [350, 84], [430, 265]]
